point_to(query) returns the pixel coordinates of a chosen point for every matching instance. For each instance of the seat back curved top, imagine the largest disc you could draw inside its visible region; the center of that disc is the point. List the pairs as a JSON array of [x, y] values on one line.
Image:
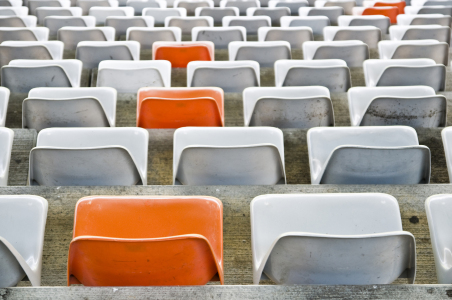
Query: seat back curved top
[[54, 23], [122, 23], [24, 34], [146, 36], [293, 5], [347, 5], [186, 24], [162, 226], [220, 36], [353, 52], [370, 35], [217, 13], [420, 32], [139, 5], [22, 226], [265, 53], [438, 51], [87, 4], [446, 135], [316, 23], [6, 137], [18, 21], [378, 21], [14, 11], [160, 14], [296, 36], [101, 13], [43, 12], [433, 9], [192, 5], [275, 13], [332, 12], [10, 50], [92, 53], [181, 53], [424, 19], [228, 156], [252, 24], [242, 5], [34, 4], [341, 252], [72, 35], [389, 11], [12, 3]]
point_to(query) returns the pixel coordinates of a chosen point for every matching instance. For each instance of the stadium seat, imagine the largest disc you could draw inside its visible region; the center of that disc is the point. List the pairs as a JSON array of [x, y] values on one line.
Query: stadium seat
[[192, 5], [11, 3], [14, 11], [382, 3], [92, 156], [4, 100], [438, 51], [101, 13], [433, 19], [296, 36], [92, 53], [24, 34], [230, 76], [54, 23], [186, 24], [435, 9], [69, 107], [295, 241], [252, 24], [228, 156], [405, 72], [415, 106], [389, 11], [430, 2], [18, 21], [160, 14], [288, 107], [22, 226], [21, 75], [139, 5], [275, 13], [331, 12], [369, 35], [347, 5], [217, 13], [353, 52], [265, 53], [10, 50], [43, 12], [121, 24], [242, 5], [367, 155], [420, 32], [150, 240], [293, 5], [130, 76], [181, 53], [315, 23], [179, 107], [146, 36], [379, 21], [446, 135], [220, 36], [87, 4], [34, 4], [71, 36], [330, 73]]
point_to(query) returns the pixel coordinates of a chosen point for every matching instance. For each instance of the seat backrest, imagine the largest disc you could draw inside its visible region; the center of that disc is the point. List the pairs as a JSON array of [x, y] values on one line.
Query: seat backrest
[[220, 36], [252, 24], [275, 13], [18, 21], [146, 36], [43, 12], [34, 4], [54, 23], [121, 24], [14, 11], [438, 51], [181, 53], [296, 36], [265, 53], [72, 35], [242, 5], [139, 5], [379, 21], [424, 19], [101, 13], [30, 50], [369, 35], [186, 24], [332, 12], [217, 13], [87, 4], [316, 23], [23, 34], [192, 5], [92, 53], [160, 14], [293, 5], [353, 52]]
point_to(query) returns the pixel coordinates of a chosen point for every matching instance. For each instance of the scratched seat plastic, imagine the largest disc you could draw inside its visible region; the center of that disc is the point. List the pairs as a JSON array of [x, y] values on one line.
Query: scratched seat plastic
[[34, 4], [192, 5], [220, 36], [130, 76], [420, 32], [71, 36], [160, 14], [228, 156], [43, 12], [438, 51], [21, 75], [181, 53], [4, 100], [252, 24], [378, 21], [231, 76], [132, 241], [347, 5], [217, 13], [69, 107], [14, 10], [22, 226], [405, 72], [242, 5], [294, 240], [275, 13], [433, 9], [331, 12], [296, 36], [90, 156], [389, 11], [367, 155], [146, 36], [10, 50], [54, 23], [121, 24], [415, 106], [18, 21], [265, 53], [430, 19], [330, 73], [101, 13], [288, 107], [180, 107], [293, 5], [92, 53], [353, 52], [87, 4], [446, 135], [369, 35], [24, 34], [316, 23], [139, 5], [186, 24]]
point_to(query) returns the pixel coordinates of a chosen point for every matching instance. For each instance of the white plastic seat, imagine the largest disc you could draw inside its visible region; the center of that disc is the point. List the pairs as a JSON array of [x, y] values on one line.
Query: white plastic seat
[[22, 226], [347, 5], [378, 21], [353, 52], [231, 76], [192, 5], [121, 24], [11, 3], [186, 24], [130, 76], [432, 49], [21, 75], [101, 13], [217, 13], [139, 5], [90, 156], [18, 21], [43, 12], [415, 106], [369, 35], [14, 11], [146, 36], [367, 155], [434, 9], [294, 239], [220, 36], [69, 107], [71, 36], [331, 12], [330, 73], [87, 4], [293, 5], [265, 53], [420, 32], [252, 24], [431, 19], [296, 36], [4, 100], [316, 23], [275, 13], [54, 23], [24, 34], [160, 14], [92, 53], [405, 72], [288, 107], [10, 50], [228, 156], [242, 5], [34, 4]]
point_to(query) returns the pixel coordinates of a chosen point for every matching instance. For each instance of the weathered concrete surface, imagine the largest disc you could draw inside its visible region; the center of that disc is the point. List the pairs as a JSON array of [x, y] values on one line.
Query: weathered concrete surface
[[24, 141]]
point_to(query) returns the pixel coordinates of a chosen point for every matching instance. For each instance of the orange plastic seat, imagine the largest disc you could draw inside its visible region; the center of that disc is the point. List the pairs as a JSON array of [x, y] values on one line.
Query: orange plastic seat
[[389, 11], [180, 107], [143, 241], [400, 5], [181, 53]]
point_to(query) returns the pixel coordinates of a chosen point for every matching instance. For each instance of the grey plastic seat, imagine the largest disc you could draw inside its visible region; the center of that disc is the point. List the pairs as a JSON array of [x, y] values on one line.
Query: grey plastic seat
[[420, 32], [369, 35], [438, 51], [288, 107], [315, 23], [265, 53], [405, 72], [130, 76], [330, 239], [121, 24], [431, 19], [367, 155], [275, 13], [10, 50], [293, 5], [23, 34], [146, 36], [22, 226], [252, 24], [87, 4], [4, 100], [34, 4], [92, 53], [242, 5], [71, 36], [192, 5], [230, 76], [296, 36], [18, 21], [139, 5], [228, 156], [378, 21], [69, 107], [330, 73], [434, 9], [54, 23], [13, 11], [430, 2], [220, 36], [331, 12], [446, 135], [186, 24], [217, 13], [353, 52], [101, 13], [43, 12], [415, 106], [160, 14], [347, 5]]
